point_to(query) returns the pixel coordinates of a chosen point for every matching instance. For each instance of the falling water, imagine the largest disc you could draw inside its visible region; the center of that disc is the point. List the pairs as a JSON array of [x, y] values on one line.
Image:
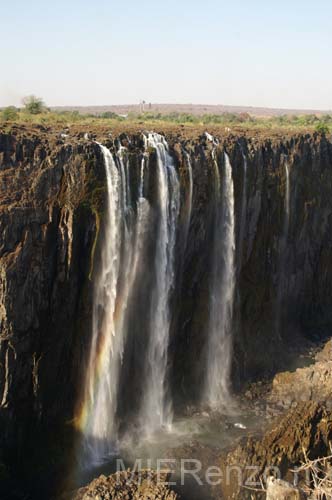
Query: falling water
[[243, 213], [106, 348], [222, 292], [189, 200], [119, 263], [141, 182], [156, 410], [124, 168], [282, 254], [212, 139], [287, 199]]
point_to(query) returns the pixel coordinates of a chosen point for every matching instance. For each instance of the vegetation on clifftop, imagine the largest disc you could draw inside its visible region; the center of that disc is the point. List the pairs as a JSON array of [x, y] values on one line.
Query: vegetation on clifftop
[[36, 112]]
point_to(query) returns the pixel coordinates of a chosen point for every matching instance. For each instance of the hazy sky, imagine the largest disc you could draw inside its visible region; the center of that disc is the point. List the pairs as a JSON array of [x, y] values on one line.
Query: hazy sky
[[242, 52]]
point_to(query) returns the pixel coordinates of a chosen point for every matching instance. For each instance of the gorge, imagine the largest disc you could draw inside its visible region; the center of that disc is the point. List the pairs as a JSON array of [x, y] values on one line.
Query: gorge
[[147, 275]]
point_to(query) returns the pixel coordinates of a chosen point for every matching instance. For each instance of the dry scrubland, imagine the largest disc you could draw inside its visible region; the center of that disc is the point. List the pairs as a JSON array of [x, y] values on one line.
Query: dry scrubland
[[237, 123]]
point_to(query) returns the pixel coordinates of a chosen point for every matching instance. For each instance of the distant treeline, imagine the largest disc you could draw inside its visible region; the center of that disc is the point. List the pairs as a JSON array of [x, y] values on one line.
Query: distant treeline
[[234, 118], [35, 111]]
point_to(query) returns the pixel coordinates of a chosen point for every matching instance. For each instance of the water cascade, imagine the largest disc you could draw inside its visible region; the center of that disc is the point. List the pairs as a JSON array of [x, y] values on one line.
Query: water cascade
[[243, 213], [123, 254], [120, 255], [281, 287], [287, 199], [222, 291], [105, 354], [135, 290], [156, 411], [189, 199]]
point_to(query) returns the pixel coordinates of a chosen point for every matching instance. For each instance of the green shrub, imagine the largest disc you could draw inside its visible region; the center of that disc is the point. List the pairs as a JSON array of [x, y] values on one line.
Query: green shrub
[[9, 114], [322, 128]]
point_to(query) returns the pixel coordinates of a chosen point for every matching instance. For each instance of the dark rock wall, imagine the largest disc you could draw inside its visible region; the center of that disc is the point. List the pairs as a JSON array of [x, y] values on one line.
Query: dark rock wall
[[283, 279], [51, 205], [48, 225]]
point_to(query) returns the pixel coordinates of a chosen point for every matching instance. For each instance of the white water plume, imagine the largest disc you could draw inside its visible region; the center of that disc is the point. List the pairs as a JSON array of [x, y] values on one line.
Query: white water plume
[[122, 247], [281, 290], [156, 411], [222, 291], [243, 212]]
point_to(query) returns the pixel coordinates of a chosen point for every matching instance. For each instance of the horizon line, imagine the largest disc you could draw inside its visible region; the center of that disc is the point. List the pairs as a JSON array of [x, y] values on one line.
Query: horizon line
[[194, 105]]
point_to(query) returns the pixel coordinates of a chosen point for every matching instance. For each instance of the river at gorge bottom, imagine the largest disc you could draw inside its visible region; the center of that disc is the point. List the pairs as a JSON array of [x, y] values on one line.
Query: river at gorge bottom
[[191, 449]]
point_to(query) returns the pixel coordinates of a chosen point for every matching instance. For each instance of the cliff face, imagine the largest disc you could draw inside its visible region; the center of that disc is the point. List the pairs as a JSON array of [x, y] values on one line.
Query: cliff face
[[287, 274], [48, 227], [283, 240], [51, 208]]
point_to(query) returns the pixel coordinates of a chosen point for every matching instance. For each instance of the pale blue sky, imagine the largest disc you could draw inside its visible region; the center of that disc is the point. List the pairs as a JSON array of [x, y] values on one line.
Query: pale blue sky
[[273, 53]]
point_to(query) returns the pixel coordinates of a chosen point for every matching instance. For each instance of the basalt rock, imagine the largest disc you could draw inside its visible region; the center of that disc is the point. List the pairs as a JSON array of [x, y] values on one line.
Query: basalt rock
[[283, 286], [128, 485], [304, 432], [313, 383], [309, 383], [52, 192], [48, 226]]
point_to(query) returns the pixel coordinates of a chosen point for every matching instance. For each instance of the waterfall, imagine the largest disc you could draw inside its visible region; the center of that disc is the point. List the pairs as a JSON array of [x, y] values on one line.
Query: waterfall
[[239, 254], [106, 347], [282, 255], [287, 199], [156, 409], [243, 213], [126, 233], [141, 181], [121, 250], [189, 199], [188, 202], [125, 177], [222, 290], [211, 139]]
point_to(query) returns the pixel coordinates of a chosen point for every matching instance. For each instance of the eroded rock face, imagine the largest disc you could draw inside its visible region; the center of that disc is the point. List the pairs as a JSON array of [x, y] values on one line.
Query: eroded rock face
[[283, 287], [305, 384], [51, 208], [142, 485], [310, 383], [305, 430], [47, 231], [325, 355]]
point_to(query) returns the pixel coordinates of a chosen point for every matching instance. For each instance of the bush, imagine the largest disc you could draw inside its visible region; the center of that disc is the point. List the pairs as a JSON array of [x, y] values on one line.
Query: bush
[[109, 115], [9, 114], [322, 128], [34, 105]]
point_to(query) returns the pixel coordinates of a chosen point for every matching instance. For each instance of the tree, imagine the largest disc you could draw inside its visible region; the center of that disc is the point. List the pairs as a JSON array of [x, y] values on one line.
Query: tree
[[9, 114], [34, 105]]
